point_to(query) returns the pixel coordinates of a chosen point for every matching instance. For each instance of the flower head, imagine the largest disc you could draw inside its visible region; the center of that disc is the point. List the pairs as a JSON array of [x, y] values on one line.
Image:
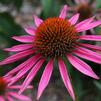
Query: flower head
[[55, 37], [52, 39], [2, 86], [86, 9], [8, 92]]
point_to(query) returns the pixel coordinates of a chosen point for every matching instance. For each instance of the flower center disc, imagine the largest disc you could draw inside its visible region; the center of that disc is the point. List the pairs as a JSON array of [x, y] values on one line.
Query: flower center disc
[[55, 37], [2, 86], [85, 11]]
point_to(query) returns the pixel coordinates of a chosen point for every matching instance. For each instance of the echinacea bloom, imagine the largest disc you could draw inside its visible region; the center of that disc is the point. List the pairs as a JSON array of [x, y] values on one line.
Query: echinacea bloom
[[52, 39], [8, 93], [86, 9]]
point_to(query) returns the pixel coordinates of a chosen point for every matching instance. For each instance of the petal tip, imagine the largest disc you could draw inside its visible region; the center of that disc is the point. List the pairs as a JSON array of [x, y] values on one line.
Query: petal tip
[[78, 14], [65, 6], [29, 30], [0, 63], [63, 12], [6, 49], [38, 97], [37, 20], [14, 37], [34, 15], [96, 77]]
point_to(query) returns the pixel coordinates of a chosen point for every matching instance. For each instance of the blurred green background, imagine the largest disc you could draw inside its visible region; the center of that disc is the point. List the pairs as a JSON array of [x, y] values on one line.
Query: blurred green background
[[16, 14]]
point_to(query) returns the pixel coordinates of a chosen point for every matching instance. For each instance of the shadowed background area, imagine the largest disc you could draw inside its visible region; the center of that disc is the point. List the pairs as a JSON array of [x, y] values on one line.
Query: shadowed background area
[[16, 14]]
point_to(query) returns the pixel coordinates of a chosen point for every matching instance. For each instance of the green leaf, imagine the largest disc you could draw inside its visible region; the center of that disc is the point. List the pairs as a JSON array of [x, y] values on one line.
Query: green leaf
[[18, 4], [97, 84], [8, 25], [6, 1], [50, 8], [98, 3], [98, 30]]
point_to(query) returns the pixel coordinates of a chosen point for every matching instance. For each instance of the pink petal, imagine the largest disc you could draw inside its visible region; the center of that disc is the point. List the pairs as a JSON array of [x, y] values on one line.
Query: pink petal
[[24, 38], [89, 26], [65, 77], [1, 98], [23, 71], [18, 48], [95, 24], [82, 66], [18, 68], [63, 12], [93, 47], [37, 20], [18, 87], [31, 75], [90, 37], [7, 79], [17, 57], [87, 21], [30, 30], [10, 98], [20, 97], [84, 23], [88, 54], [45, 78], [74, 19]]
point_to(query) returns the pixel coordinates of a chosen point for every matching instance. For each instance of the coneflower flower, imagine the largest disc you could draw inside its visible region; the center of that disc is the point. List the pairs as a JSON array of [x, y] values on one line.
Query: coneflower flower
[[86, 9], [53, 39], [8, 93]]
